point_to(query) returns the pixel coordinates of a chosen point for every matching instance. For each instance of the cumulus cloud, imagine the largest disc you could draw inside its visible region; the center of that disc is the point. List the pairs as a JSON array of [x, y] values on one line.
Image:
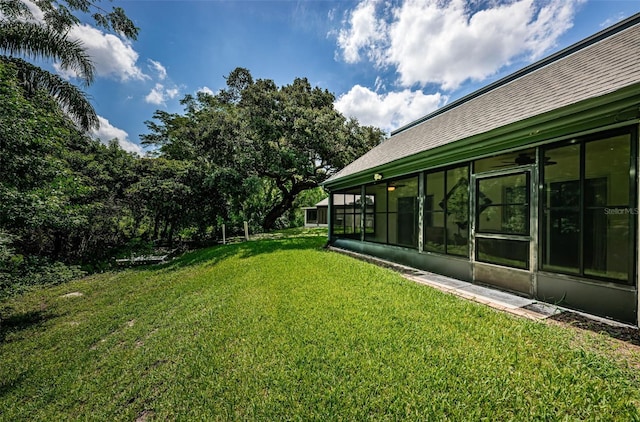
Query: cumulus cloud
[[365, 32], [158, 68], [447, 42], [108, 132], [206, 90], [112, 56], [387, 111], [160, 94], [156, 96]]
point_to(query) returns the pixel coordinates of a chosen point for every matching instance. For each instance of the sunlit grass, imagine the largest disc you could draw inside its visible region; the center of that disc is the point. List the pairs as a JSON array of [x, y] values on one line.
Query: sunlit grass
[[282, 329]]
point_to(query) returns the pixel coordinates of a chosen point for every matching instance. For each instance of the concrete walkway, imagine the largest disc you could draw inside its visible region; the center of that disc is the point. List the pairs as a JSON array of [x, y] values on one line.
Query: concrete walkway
[[497, 299]]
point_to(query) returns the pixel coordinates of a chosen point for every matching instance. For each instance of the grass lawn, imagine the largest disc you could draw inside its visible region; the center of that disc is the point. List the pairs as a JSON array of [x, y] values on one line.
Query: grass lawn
[[282, 329]]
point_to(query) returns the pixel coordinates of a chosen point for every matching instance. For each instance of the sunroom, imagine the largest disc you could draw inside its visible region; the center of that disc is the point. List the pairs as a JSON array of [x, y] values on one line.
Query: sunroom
[[529, 185]]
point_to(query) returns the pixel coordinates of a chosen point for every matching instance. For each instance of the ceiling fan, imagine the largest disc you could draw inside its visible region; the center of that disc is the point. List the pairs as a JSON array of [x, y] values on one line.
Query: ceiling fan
[[524, 159]]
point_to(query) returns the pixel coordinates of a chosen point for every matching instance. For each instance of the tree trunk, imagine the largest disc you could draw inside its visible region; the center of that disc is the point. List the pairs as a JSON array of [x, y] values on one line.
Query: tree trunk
[[285, 204], [277, 211]]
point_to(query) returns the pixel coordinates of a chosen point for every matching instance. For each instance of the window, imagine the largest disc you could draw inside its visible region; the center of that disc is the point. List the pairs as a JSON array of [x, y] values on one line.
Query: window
[[589, 208], [312, 216], [503, 204], [502, 219], [391, 214], [346, 210], [376, 213], [402, 215], [512, 253], [446, 211]]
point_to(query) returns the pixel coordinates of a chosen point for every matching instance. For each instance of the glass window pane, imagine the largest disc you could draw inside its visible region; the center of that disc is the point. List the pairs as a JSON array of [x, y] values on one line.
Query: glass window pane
[[606, 244], [457, 208], [457, 236], [403, 212], [561, 241], [378, 196], [403, 225], [561, 214], [377, 233], [403, 188], [504, 161], [435, 191], [337, 212], [512, 253], [562, 177], [312, 216], [434, 232], [607, 172], [369, 224], [502, 204]]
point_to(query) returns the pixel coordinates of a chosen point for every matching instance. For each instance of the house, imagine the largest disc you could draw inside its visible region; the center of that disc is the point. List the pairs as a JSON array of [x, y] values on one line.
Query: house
[[529, 184], [316, 216]]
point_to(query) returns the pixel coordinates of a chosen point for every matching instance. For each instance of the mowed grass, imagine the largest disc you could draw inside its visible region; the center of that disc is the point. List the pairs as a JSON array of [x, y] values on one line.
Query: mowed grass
[[282, 329]]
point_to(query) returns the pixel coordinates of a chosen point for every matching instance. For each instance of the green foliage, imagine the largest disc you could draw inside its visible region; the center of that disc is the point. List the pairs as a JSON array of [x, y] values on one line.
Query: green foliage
[[283, 330], [19, 273], [23, 36], [61, 193], [270, 143]]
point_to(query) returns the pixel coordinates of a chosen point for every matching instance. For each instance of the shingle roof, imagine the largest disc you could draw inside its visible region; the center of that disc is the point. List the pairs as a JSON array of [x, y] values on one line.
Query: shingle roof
[[601, 64]]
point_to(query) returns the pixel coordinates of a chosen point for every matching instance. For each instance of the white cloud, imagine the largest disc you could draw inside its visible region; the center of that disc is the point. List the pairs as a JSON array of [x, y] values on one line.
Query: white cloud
[[172, 93], [206, 90], [365, 32], [447, 43], [159, 94], [156, 96], [112, 56], [107, 132], [158, 68], [612, 20], [387, 111]]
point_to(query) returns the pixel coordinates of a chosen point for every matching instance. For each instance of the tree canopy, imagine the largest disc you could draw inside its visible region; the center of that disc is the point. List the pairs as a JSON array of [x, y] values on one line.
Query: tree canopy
[[256, 138]]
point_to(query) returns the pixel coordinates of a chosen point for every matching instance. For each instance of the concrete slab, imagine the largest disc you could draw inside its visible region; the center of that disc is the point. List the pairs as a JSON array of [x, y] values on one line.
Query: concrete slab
[[506, 299], [448, 282]]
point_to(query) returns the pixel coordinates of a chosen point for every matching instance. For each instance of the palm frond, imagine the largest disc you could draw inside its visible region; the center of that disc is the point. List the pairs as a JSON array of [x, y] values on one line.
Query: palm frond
[[15, 9], [70, 98], [35, 41]]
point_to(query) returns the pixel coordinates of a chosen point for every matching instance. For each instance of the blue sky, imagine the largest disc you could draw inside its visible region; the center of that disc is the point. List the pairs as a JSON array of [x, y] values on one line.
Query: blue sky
[[387, 62]]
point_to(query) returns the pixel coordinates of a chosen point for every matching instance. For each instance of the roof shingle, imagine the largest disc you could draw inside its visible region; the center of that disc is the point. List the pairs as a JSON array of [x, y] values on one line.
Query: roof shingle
[[595, 69]]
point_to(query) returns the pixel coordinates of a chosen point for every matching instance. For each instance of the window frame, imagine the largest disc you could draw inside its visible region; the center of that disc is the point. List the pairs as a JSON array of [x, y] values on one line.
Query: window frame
[[426, 215], [632, 241]]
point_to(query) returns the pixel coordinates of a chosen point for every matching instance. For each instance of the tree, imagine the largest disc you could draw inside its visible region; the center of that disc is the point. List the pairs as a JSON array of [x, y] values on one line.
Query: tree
[[22, 35], [62, 194], [266, 144], [297, 139]]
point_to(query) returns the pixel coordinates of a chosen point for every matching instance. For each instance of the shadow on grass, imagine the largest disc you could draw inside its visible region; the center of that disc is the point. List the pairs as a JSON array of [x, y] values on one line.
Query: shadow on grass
[[626, 334], [216, 254], [12, 383], [18, 322]]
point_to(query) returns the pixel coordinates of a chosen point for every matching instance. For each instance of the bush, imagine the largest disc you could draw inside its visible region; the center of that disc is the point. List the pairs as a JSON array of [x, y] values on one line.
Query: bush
[[18, 273]]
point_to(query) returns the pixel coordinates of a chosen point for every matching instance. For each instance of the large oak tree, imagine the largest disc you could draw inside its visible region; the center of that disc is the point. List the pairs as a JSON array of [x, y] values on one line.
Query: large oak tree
[[274, 142]]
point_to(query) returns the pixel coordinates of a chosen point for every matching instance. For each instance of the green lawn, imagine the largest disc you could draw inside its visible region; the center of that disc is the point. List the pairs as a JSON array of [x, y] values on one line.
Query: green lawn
[[282, 329]]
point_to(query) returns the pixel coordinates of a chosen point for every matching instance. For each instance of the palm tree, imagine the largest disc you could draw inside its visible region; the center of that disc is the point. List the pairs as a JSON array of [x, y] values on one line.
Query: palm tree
[[22, 35], [40, 42]]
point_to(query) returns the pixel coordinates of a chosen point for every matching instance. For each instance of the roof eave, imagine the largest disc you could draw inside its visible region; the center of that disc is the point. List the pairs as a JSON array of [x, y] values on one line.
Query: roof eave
[[598, 112]]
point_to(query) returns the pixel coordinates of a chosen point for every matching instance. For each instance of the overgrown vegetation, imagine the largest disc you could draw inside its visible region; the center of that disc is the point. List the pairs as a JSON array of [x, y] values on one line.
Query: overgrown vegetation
[[254, 152], [282, 329]]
